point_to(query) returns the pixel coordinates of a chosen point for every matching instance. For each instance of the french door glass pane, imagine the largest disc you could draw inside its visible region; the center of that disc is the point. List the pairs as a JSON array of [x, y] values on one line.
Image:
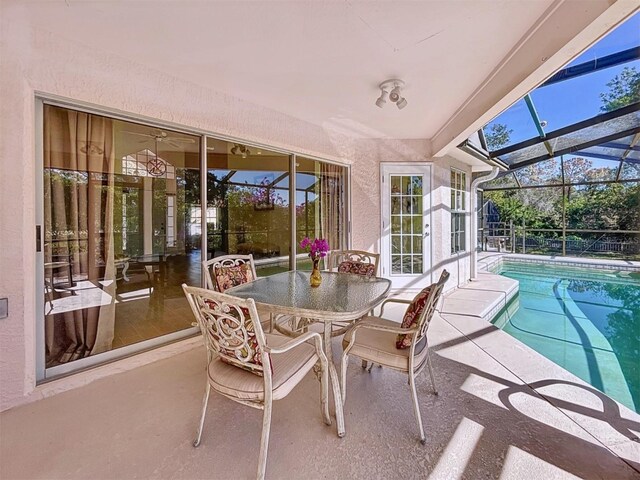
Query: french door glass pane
[[396, 244], [117, 246], [406, 264], [396, 264], [395, 206], [406, 224], [395, 224], [417, 244]]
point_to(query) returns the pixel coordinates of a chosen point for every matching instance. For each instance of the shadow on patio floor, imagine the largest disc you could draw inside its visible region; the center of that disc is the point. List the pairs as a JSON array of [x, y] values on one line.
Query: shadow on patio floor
[[485, 423]]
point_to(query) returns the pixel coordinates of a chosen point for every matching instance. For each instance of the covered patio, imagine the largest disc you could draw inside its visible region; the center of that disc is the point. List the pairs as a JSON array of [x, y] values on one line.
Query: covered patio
[[143, 142]]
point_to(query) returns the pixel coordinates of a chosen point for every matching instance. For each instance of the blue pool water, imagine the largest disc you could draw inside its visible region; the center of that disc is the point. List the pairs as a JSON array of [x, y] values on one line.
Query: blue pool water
[[584, 320]]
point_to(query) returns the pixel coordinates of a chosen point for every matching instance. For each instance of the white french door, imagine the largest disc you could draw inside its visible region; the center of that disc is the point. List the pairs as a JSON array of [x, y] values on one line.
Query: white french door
[[406, 224]]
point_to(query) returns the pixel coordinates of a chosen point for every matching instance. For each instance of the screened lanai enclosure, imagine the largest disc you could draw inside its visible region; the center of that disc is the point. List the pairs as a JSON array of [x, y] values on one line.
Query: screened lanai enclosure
[[569, 154]]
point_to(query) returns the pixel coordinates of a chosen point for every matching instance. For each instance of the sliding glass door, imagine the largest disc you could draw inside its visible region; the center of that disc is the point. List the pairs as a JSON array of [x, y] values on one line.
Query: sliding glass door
[[124, 221]]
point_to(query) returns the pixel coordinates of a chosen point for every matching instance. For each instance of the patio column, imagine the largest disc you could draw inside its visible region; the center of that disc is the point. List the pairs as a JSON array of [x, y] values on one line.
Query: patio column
[[474, 218], [564, 221]]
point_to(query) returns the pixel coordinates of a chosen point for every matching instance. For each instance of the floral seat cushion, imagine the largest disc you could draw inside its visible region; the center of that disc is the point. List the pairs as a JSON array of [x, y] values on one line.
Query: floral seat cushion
[[236, 340], [411, 316], [227, 277], [358, 268]]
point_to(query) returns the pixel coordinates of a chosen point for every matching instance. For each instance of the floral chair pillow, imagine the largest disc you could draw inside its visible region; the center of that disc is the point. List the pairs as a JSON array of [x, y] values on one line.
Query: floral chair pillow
[[227, 277], [234, 347], [410, 319], [358, 268]]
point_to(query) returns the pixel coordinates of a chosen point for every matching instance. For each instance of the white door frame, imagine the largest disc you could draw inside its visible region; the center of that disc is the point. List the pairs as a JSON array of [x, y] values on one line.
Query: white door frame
[[406, 282]]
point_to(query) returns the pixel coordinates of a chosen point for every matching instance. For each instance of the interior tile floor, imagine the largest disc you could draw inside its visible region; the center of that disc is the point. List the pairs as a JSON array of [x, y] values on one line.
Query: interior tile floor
[[499, 414]]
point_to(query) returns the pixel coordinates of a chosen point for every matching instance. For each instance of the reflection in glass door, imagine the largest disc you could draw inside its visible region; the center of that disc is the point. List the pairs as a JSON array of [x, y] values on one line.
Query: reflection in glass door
[[406, 207], [117, 199], [248, 206], [121, 225], [320, 200]]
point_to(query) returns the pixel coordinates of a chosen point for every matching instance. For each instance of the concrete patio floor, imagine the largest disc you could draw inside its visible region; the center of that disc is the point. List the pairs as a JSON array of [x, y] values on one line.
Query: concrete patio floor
[[487, 422]]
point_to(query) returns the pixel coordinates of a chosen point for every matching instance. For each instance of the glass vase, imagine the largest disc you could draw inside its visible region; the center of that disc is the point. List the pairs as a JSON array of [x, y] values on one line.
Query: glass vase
[[315, 279]]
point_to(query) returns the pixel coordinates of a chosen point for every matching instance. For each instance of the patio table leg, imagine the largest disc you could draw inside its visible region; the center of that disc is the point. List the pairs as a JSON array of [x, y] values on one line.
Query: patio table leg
[[337, 395]]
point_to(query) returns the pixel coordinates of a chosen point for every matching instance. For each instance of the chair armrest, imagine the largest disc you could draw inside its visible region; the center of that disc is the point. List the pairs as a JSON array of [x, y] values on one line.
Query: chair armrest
[[294, 342], [373, 326], [393, 300], [383, 328]]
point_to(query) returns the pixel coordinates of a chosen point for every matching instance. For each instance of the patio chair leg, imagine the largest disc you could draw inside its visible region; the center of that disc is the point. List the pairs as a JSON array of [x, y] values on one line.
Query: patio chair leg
[[433, 381], [416, 407], [364, 364], [264, 441], [271, 320], [205, 402], [370, 367]]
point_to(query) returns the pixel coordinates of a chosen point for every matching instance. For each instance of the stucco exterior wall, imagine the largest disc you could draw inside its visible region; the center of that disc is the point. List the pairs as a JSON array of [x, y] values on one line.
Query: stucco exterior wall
[[33, 61], [457, 264], [366, 198]]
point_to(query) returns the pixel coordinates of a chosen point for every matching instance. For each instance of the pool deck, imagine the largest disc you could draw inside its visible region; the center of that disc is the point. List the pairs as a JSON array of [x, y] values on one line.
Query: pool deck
[[483, 297], [469, 308], [503, 411], [610, 423]]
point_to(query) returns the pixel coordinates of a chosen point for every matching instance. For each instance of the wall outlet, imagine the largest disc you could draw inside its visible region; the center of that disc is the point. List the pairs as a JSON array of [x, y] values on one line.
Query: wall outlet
[[4, 307]]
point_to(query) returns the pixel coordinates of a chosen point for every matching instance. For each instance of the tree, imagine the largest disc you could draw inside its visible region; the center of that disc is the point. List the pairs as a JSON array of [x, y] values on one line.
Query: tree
[[624, 89], [497, 135]]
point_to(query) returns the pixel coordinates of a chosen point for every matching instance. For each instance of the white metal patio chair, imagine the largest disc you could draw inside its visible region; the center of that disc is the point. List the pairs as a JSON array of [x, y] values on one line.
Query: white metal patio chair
[[374, 339], [250, 367], [358, 262], [228, 271]]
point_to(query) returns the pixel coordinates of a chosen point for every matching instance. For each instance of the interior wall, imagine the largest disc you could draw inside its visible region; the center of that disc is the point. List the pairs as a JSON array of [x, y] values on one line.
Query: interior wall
[[34, 61]]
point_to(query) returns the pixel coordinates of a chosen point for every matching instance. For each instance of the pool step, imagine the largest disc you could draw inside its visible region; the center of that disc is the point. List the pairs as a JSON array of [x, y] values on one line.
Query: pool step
[[481, 298]]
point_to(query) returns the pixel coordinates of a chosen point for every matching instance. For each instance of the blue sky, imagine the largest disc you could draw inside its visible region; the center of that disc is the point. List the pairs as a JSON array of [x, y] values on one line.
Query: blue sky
[[565, 103]]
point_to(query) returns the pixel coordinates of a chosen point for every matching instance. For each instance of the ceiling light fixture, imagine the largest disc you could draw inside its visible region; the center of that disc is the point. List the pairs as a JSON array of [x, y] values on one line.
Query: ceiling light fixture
[[392, 90], [382, 100]]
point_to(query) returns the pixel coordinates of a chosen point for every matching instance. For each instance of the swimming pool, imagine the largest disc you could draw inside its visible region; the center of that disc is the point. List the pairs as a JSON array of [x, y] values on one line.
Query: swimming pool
[[587, 321]]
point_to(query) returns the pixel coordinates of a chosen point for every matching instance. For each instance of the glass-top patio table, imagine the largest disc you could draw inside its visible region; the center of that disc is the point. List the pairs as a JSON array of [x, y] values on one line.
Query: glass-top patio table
[[342, 297]]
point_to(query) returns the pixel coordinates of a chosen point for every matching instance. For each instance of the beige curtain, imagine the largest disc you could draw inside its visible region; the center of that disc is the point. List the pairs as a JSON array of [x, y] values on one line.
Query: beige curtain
[[78, 203], [331, 204]]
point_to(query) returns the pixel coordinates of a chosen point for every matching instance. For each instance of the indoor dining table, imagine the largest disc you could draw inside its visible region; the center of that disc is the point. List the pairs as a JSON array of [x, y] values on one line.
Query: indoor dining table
[[341, 297]]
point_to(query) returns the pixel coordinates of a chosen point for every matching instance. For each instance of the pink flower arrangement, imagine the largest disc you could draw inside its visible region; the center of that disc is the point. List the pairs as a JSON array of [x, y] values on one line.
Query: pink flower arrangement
[[318, 248]]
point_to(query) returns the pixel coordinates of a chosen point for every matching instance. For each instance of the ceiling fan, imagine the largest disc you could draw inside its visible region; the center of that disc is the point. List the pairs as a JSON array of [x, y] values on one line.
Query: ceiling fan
[[163, 137], [239, 149]]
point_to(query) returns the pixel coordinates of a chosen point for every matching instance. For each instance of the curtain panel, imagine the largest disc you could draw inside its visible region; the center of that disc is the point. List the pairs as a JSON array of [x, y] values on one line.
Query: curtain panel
[[79, 165]]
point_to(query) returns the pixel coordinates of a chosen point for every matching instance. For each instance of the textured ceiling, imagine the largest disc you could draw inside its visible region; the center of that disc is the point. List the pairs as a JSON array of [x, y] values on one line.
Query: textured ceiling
[[317, 61]]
